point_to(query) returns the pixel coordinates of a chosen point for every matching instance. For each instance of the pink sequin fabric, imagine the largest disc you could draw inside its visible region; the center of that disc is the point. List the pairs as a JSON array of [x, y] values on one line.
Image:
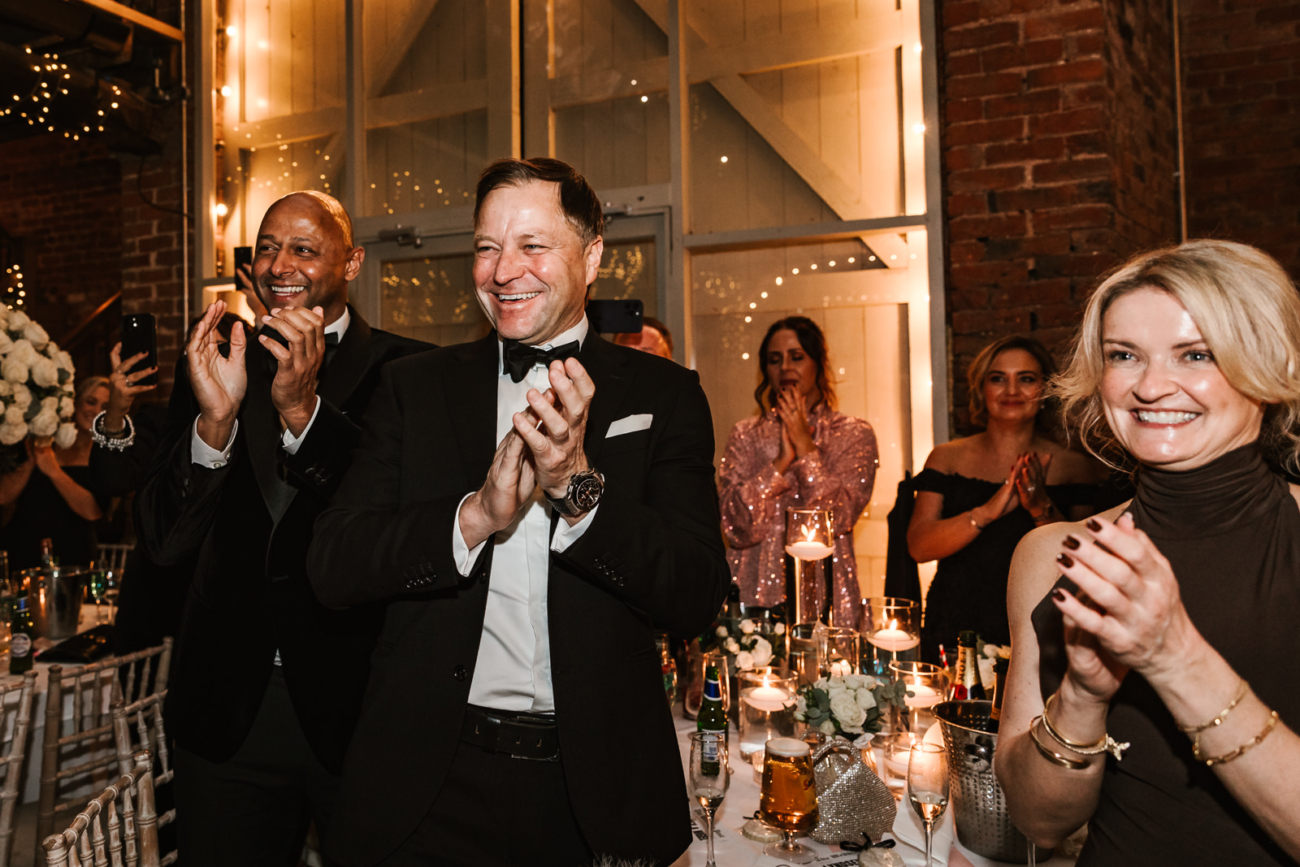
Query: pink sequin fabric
[[838, 475]]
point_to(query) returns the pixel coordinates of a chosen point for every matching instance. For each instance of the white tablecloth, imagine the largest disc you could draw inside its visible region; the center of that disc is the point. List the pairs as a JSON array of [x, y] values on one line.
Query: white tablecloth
[[732, 849]]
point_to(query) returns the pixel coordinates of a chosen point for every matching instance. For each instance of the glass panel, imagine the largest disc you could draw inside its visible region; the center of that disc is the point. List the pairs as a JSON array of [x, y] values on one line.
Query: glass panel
[[428, 164], [432, 298], [287, 57], [619, 143], [629, 270]]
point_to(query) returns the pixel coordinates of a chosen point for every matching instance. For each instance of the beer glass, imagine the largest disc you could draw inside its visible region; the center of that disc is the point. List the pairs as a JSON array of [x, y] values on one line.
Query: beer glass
[[788, 801], [708, 777], [927, 788]]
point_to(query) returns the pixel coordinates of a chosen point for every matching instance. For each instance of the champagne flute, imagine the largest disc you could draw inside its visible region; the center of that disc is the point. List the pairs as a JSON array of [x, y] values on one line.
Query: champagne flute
[[788, 801], [927, 788], [708, 778], [97, 583]]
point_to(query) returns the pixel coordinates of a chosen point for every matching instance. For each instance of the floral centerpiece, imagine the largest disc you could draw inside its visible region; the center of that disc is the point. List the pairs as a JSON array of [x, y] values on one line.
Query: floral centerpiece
[[850, 706], [36, 388], [742, 640]]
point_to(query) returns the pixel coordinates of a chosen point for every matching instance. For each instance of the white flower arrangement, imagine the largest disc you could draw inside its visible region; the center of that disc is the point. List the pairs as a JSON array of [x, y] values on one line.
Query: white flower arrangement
[[742, 640], [849, 705], [36, 388]]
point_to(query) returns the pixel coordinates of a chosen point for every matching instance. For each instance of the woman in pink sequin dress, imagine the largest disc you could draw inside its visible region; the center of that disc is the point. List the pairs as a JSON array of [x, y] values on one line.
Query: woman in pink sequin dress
[[797, 452]]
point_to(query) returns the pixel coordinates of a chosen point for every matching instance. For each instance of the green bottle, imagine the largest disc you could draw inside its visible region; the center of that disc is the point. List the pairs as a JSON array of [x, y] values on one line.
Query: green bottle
[[713, 719], [21, 652]]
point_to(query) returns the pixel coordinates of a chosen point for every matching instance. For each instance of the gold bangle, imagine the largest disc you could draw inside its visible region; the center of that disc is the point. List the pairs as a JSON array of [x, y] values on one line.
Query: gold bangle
[[1051, 755], [1104, 744], [1240, 751], [1223, 714]]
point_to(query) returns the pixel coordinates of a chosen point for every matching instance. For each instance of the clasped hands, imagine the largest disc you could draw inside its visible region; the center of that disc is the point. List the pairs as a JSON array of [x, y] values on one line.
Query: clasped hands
[[542, 449], [1026, 484], [1127, 613], [796, 436], [220, 382]]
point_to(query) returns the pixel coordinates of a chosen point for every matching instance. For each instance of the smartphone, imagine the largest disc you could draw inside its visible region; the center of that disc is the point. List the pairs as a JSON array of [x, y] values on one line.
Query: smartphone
[[616, 317], [139, 335], [243, 256]]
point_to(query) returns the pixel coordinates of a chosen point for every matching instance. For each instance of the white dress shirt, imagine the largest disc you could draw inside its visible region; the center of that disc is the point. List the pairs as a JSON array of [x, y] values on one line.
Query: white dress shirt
[[206, 456], [513, 671]]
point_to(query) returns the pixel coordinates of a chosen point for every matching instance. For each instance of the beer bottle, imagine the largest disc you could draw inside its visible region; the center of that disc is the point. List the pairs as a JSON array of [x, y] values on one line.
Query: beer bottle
[[21, 652], [713, 719], [966, 683], [1000, 688]]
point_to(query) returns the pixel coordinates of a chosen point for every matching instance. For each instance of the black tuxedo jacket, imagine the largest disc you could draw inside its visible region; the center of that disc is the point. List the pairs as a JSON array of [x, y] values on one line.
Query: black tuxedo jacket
[[250, 594], [652, 558]]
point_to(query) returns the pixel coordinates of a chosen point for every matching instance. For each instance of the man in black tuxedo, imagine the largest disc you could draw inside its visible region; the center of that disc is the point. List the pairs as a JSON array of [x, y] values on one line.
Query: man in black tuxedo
[[267, 683], [530, 517]]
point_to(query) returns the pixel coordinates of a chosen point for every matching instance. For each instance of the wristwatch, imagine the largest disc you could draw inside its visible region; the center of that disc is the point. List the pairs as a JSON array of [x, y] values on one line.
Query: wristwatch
[[583, 495]]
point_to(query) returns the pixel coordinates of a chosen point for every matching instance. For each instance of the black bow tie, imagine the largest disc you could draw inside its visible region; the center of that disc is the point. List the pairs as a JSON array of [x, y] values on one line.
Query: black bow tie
[[519, 359]]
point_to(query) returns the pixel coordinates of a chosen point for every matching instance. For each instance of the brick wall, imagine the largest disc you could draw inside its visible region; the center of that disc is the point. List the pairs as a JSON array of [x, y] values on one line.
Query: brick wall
[[1241, 74], [1050, 110]]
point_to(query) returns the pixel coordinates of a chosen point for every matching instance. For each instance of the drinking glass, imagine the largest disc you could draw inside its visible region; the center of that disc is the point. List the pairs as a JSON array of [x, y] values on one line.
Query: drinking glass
[[97, 583], [892, 628], [927, 788], [708, 778], [788, 799], [840, 657], [809, 541]]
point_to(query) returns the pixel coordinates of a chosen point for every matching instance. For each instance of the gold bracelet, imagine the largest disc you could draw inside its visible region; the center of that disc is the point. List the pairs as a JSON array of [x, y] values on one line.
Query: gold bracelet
[[1104, 744], [1051, 755], [1223, 714], [1240, 751]]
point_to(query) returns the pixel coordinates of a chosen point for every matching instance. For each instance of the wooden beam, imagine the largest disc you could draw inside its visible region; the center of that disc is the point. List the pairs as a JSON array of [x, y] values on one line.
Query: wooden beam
[[503, 91], [800, 47], [890, 248], [126, 13], [395, 52], [781, 236], [288, 128], [651, 76], [427, 104]]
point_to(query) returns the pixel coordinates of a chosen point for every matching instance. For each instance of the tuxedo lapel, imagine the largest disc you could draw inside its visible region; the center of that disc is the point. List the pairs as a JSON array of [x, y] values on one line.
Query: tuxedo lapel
[[349, 365], [608, 373], [471, 389], [262, 436]]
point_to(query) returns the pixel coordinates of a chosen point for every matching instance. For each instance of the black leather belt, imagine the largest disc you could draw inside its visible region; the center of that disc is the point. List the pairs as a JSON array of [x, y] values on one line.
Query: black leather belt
[[517, 734]]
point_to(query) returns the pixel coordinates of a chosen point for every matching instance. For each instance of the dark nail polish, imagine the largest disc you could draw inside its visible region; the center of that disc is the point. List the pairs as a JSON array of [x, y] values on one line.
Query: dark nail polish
[[1071, 543], [1065, 560], [1093, 525], [1058, 594]]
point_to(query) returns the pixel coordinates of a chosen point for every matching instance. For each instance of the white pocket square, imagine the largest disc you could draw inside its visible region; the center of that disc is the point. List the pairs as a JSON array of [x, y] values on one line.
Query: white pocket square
[[630, 424]]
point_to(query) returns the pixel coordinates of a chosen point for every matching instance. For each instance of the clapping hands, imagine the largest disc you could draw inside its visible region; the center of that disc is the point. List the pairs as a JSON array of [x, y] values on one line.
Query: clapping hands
[[796, 436]]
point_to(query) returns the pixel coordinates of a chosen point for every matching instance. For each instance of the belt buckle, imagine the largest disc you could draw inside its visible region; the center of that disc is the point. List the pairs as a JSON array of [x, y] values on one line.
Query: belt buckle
[[524, 723]]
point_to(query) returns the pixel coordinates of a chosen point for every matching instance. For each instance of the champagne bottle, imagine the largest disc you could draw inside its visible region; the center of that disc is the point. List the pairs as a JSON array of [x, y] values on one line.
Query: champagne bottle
[[712, 719], [1000, 666], [966, 683], [21, 652]]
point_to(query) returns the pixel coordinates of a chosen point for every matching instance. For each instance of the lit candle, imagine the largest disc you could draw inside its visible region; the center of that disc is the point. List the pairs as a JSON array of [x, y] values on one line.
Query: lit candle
[[767, 698], [808, 550], [922, 696], [893, 639]]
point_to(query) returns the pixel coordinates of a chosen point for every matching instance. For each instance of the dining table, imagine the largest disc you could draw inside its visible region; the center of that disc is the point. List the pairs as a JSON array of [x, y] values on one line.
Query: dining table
[[733, 849]]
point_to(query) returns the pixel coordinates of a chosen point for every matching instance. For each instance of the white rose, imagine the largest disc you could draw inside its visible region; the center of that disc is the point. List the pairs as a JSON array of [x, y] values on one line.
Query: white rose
[[5, 388], [6, 342], [52, 350], [744, 661], [837, 692], [66, 436], [762, 651], [721, 631], [988, 676], [65, 362], [66, 407], [846, 710], [836, 683], [779, 629], [991, 651], [24, 352], [50, 403], [747, 626], [14, 416], [869, 682], [13, 369], [827, 728], [22, 394], [45, 423], [45, 374], [18, 319], [866, 699], [822, 684], [36, 334], [733, 646], [12, 433], [853, 681]]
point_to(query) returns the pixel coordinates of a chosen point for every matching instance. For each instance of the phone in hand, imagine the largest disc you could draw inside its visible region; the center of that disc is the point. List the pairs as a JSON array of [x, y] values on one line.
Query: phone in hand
[[243, 256], [617, 316], [140, 335]]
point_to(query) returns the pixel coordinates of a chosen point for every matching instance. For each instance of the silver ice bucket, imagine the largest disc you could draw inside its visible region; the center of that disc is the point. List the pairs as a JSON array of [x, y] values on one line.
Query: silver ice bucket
[[54, 599], [978, 808]]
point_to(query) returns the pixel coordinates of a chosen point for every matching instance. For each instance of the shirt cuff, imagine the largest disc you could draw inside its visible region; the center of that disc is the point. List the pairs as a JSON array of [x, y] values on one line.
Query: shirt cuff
[[205, 455], [289, 442], [566, 535], [465, 556]]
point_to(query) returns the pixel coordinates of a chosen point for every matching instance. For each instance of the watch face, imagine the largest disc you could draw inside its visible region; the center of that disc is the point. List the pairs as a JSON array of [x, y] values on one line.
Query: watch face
[[586, 495]]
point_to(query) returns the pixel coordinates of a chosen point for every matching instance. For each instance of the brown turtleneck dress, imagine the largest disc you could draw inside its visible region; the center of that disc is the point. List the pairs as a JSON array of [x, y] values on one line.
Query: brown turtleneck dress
[[1231, 531]]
